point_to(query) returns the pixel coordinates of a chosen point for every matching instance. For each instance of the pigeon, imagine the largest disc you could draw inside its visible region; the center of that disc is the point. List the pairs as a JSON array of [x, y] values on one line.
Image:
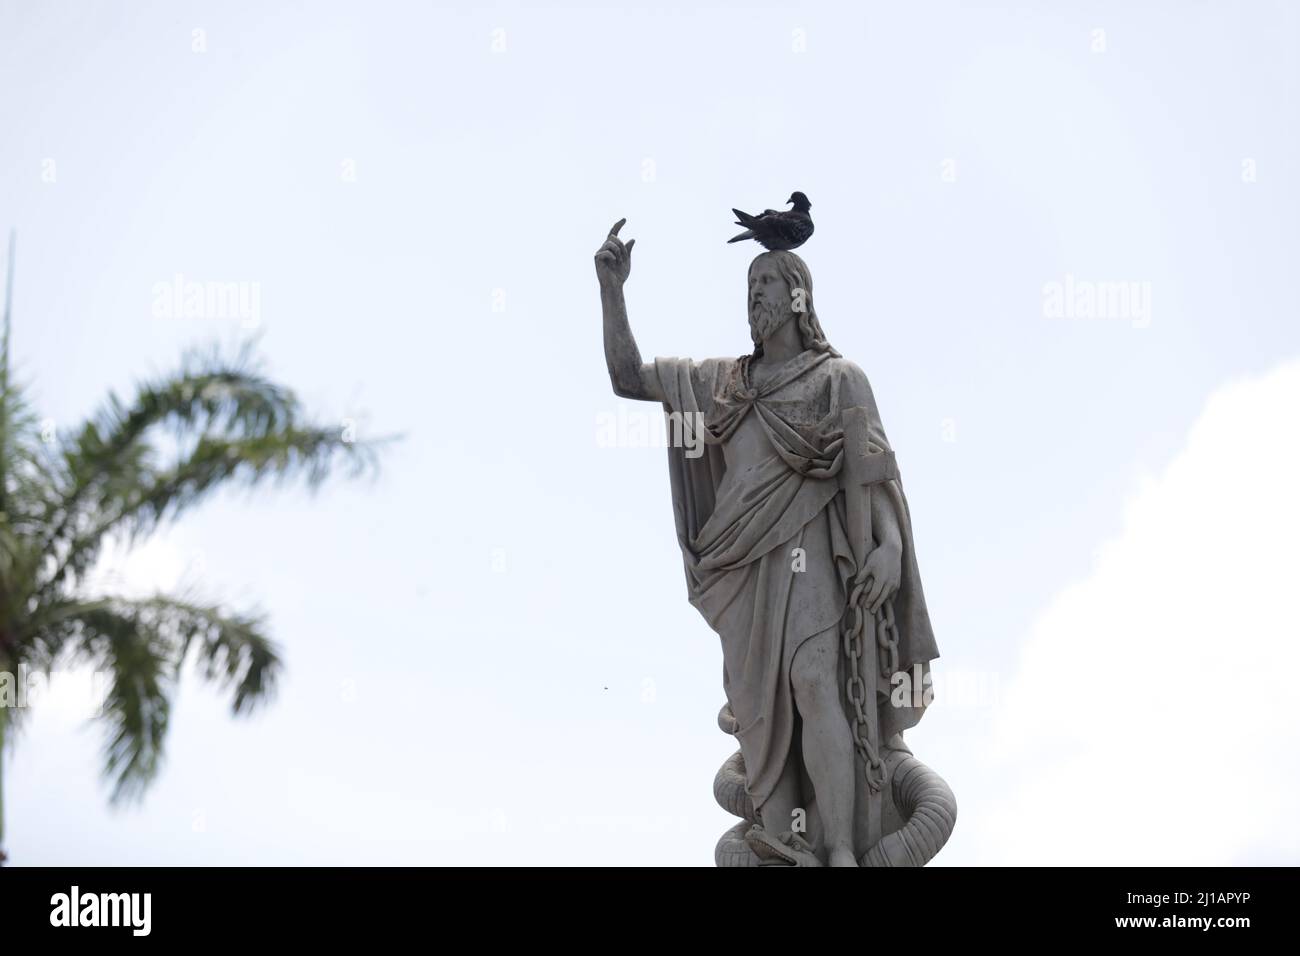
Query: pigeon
[[776, 231]]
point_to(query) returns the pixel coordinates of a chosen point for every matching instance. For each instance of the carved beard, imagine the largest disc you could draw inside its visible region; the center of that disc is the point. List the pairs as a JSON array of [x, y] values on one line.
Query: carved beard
[[764, 319]]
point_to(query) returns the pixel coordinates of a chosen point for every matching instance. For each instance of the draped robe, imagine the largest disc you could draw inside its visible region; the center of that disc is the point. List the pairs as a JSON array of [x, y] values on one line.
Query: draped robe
[[738, 529]]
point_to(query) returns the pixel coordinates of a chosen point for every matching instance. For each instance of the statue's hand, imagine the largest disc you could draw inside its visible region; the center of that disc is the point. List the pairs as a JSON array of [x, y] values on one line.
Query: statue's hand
[[884, 566], [614, 259]]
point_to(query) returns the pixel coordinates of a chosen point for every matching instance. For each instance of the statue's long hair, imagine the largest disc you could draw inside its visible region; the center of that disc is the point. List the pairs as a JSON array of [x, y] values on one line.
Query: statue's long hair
[[798, 276]]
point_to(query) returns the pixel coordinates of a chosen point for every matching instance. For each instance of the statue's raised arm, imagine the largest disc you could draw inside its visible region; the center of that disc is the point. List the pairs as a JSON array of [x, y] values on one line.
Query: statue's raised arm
[[630, 377]]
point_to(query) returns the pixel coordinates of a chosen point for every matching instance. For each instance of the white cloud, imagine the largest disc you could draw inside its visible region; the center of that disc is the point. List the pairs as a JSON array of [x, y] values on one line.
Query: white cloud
[[1153, 717]]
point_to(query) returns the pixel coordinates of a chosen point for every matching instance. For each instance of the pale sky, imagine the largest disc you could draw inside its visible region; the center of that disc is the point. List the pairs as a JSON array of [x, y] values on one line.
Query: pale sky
[[490, 656]]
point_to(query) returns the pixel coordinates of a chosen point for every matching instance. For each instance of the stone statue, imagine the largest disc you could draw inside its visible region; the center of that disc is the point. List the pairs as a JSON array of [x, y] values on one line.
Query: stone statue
[[798, 551]]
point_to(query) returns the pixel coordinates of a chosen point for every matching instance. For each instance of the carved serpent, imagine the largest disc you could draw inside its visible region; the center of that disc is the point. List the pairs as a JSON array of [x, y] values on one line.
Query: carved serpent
[[921, 796]]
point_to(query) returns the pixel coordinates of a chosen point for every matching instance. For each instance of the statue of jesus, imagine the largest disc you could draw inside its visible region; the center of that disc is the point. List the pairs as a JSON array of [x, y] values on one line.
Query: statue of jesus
[[793, 530]]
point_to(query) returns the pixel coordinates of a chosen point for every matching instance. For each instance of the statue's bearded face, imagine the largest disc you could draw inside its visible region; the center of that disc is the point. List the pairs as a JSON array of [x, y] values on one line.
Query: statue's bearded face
[[770, 300]]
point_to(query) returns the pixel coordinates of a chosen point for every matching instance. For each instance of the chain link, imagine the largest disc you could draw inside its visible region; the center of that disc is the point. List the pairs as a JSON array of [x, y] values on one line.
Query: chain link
[[887, 639]]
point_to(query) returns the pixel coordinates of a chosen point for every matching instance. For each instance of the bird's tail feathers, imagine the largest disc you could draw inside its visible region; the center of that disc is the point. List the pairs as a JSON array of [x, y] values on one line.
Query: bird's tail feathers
[[747, 234], [745, 219]]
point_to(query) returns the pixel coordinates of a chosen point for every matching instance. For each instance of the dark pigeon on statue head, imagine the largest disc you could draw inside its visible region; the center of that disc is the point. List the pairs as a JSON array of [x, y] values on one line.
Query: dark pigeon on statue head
[[777, 231]]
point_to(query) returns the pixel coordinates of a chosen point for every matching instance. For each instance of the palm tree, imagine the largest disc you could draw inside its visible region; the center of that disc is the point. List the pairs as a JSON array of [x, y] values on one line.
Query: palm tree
[[135, 465]]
